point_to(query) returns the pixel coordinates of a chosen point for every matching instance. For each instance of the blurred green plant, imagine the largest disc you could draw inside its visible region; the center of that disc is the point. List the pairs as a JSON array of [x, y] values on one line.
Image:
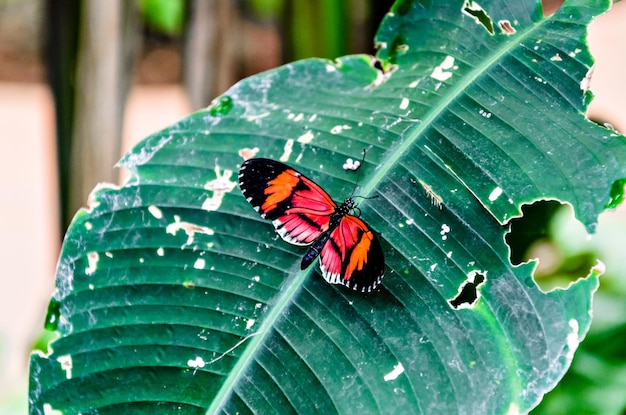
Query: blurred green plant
[[596, 381], [165, 16]]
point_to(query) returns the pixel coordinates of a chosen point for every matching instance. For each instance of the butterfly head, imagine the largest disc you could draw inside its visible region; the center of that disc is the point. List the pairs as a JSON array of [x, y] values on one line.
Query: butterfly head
[[349, 206]]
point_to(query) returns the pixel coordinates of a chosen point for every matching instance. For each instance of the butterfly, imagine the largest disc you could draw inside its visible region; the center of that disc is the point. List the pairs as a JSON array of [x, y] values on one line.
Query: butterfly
[[304, 214]]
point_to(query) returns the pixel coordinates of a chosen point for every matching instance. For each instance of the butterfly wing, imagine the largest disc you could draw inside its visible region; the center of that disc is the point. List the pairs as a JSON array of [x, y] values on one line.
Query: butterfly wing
[[352, 256], [299, 209]]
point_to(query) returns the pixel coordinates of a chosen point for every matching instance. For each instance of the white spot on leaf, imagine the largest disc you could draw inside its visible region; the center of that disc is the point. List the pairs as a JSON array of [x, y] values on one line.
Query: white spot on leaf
[[404, 103], [190, 229], [495, 194], [199, 264], [287, 150], [572, 338], [49, 410], [339, 128], [257, 116], [484, 113], [306, 138], [351, 164], [441, 72], [197, 363], [66, 365], [219, 186], [155, 211], [556, 58], [574, 53], [92, 261], [444, 231], [513, 410], [248, 153], [397, 371]]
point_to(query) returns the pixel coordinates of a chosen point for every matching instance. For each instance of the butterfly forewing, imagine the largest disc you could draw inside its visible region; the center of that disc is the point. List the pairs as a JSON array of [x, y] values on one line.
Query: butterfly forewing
[[299, 209]]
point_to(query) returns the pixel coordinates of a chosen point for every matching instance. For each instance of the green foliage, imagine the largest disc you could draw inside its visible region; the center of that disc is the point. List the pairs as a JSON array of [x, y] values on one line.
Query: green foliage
[[596, 381], [165, 16], [174, 295]]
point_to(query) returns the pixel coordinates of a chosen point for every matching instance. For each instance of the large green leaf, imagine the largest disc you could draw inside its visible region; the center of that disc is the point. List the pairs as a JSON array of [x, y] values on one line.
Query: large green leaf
[[173, 295]]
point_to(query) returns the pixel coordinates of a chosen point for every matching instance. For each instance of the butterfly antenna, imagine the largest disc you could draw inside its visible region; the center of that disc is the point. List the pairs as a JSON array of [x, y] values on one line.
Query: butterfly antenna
[[358, 176]]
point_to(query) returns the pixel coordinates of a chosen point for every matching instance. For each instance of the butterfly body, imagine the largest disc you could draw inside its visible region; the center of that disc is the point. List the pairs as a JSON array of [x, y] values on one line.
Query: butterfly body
[[304, 214]]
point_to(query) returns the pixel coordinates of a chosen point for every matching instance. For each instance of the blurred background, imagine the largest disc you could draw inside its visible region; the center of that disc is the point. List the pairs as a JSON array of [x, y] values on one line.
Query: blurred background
[[83, 81]]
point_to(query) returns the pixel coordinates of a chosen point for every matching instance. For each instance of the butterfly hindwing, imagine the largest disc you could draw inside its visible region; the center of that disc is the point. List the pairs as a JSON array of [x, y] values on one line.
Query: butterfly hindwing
[[352, 256], [299, 209]]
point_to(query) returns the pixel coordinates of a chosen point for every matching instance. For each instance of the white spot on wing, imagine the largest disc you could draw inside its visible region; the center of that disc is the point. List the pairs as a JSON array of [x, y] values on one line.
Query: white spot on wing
[[404, 103]]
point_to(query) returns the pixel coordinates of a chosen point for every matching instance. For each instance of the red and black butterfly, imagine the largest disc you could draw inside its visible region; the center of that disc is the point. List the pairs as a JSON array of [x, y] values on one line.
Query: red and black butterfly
[[304, 214]]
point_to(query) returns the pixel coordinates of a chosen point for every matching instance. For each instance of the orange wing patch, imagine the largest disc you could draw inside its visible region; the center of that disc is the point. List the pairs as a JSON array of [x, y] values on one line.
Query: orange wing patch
[[280, 189]]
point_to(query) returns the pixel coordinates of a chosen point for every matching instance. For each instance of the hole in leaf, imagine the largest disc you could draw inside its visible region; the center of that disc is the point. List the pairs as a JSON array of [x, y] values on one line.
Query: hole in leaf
[[52, 315], [475, 11], [378, 64], [617, 194], [550, 6], [468, 291], [506, 27], [402, 7], [548, 232]]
